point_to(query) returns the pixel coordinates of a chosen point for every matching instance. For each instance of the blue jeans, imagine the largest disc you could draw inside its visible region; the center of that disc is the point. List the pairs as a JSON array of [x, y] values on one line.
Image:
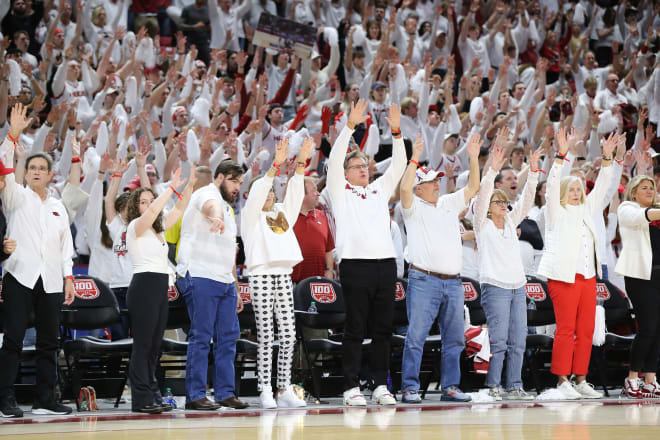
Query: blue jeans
[[429, 298], [506, 314], [212, 309]]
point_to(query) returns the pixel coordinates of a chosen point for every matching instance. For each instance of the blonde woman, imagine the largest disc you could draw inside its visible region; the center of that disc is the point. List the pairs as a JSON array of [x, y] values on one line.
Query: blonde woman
[[571, 262], [639, 224], [501, 272]]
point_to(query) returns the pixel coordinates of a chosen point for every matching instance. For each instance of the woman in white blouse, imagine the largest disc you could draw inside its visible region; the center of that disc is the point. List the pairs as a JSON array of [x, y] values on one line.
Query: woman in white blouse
[[501, 272], [639, 223], [147, 293], [571, 262]]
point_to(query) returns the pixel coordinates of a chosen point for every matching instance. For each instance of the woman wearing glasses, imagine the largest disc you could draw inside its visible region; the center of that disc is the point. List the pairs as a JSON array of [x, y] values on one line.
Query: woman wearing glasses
[[501, 272], [571, 261]]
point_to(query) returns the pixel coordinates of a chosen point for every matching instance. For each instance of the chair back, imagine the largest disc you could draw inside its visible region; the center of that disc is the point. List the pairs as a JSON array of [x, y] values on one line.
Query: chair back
[[400, 311], [246, 318], [94, 305], [177, 311], [472, 298], [615, 302], [329, 299], [537, 291]]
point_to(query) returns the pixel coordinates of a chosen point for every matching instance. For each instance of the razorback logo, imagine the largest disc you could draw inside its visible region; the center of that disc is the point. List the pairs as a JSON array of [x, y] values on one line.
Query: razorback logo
[[602, 292], [469, 291], [535, 291], [86, 289], [172, 293], [244, 293], [400, 292], [323, 293]]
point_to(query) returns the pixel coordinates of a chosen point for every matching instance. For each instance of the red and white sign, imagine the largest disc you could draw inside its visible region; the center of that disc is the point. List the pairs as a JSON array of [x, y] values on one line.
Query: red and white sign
[[400, 292], [86, 289], [244, 293], [535, 291], [469, 291], [323, 293], [172, 293], [602, 291]]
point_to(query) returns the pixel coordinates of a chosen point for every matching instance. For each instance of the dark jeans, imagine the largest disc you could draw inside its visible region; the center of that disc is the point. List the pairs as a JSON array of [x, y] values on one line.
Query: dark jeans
[[368, 287], [645, 298], [19, 303], [147, 308]]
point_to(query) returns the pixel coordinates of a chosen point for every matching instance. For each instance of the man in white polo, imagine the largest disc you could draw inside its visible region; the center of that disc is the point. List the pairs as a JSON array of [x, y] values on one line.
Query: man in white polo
[[435, 289]]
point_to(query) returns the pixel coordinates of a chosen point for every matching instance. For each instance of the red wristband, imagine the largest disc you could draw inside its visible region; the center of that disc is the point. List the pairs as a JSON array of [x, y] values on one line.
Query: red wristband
[[396, 134], [415, 162], [277, 167], [174, 191], [75, 160], [620, 162], [539, 171], [115, 175], [69, 277], [14, 140]]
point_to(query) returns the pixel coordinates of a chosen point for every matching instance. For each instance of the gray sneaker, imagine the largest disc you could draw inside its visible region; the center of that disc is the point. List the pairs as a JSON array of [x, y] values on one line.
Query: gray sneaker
[[496, 393], [411, 396], [518, 394], [454, 394]]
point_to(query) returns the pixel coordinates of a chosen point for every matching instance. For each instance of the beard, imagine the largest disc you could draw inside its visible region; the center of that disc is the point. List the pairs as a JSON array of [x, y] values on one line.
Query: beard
[[226, 194]]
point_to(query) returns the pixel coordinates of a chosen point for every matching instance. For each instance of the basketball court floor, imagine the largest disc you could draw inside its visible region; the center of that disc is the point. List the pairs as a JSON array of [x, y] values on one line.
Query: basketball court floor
[[613, 418]]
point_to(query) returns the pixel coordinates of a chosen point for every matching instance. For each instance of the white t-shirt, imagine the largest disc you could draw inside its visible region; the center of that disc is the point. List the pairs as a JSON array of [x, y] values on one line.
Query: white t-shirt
[[434, 235], [148, 251], [122, 269]]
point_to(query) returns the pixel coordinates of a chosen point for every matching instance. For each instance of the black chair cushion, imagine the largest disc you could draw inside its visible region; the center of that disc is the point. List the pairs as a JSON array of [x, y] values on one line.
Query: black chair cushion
[[89, 345], [539, 341]]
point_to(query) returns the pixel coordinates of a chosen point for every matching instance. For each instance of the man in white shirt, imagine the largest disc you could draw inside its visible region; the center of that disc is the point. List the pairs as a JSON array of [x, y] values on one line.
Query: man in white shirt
[[206, 267], [608, 98], [35, 274], [364, 246], [435, 289]]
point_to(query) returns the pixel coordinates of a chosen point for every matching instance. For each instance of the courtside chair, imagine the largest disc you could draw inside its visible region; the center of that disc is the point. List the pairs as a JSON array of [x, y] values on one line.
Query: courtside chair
[[246, 348], [538, 346], [173, 350]]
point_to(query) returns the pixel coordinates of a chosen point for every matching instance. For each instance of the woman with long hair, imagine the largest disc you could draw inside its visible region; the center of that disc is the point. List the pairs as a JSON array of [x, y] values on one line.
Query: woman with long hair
[[571, 262], [271, 251], [639, 263], [147, 292], [501, 272]]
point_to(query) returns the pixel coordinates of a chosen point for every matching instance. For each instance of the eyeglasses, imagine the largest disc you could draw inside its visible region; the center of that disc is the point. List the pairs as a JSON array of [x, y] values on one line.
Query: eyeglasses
[[500, 202], [39, 169], [359, 167]]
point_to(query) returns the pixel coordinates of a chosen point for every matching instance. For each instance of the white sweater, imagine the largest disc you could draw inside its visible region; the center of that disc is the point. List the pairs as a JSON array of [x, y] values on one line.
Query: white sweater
[[271, 247], [563, 227], [499, 250], [636, 258], [362, 214]]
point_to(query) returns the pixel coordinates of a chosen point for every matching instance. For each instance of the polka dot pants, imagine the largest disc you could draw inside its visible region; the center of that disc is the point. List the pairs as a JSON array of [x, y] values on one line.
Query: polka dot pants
[[273, 293]]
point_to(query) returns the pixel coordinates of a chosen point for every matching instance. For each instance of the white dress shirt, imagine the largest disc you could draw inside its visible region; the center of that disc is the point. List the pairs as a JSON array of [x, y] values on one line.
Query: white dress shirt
[[41, 229]]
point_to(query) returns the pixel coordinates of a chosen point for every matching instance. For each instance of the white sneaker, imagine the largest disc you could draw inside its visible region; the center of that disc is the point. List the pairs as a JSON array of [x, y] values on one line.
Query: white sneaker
[[587, 391], [568, 391], [354, 397], [289, 399], [266, 398], [382, 396]]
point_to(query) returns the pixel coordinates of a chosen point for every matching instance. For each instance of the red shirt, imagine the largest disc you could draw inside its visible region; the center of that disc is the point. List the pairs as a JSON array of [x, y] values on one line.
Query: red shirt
[[315, 241]]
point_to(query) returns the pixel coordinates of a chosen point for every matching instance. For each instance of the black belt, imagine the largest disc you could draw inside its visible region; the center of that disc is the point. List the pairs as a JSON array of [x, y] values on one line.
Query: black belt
[[442, 276]]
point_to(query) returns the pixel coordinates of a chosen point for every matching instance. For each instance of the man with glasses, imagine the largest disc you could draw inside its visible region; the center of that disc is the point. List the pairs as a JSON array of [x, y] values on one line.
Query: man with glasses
[[35, 275], [435, 289], [608, 98], [364, 246]]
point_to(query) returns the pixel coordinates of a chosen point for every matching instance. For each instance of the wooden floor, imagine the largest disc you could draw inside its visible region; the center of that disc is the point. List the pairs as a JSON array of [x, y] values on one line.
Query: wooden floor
[[603, 420]]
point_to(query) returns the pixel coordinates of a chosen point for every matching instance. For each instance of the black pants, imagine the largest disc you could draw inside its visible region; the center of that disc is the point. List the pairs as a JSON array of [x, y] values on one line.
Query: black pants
[[120, 330], [19, 304], [147, 309], [645, 298], [368, 287]]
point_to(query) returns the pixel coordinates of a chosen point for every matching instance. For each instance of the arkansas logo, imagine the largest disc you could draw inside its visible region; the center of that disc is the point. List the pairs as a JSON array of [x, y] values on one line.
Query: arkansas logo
[[535, 291], [86, 289], [469, 291], [602, 291], [400, 292], [323, 293], [244, 293], [172, 293]]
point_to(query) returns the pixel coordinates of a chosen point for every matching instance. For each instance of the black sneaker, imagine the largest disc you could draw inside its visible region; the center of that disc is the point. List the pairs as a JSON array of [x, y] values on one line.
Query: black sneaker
[[50, 408], [9, 408]]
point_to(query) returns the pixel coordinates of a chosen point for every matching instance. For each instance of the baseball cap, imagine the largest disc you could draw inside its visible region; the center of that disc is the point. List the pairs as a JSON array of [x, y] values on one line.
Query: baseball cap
[[378, 85], [426, 174], [448, 135], [4, 171], [150, 169], [115, 84]]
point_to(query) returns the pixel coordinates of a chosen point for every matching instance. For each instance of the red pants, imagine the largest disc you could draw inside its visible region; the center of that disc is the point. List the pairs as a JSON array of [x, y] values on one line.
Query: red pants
[[575, 312]]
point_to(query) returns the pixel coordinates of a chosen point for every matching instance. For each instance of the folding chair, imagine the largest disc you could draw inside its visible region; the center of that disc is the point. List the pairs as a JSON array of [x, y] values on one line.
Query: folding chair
[[246, 349]]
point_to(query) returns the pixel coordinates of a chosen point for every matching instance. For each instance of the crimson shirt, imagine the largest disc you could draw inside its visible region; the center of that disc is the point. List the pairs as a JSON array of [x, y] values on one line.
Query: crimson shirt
[[315, 241]]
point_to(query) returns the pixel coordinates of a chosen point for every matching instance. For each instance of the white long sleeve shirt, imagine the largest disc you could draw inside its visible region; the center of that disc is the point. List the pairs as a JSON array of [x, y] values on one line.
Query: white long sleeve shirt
[[362, 213], [41, 227]]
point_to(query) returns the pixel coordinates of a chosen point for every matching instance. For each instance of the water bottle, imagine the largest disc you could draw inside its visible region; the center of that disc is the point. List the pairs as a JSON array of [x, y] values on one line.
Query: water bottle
[[312, 308], [531, 305], [169, 397]]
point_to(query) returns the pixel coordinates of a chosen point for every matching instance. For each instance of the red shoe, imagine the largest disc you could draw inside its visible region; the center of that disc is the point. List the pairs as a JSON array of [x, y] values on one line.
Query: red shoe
[[651, 391], [632, 388]]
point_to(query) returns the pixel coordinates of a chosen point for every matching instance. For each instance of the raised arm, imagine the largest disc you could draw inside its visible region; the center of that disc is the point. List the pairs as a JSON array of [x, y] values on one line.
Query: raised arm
[[497, 159], [175, 213], [118, 167], [295, 191], [526, 201], [392, 176], [408, 179]]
